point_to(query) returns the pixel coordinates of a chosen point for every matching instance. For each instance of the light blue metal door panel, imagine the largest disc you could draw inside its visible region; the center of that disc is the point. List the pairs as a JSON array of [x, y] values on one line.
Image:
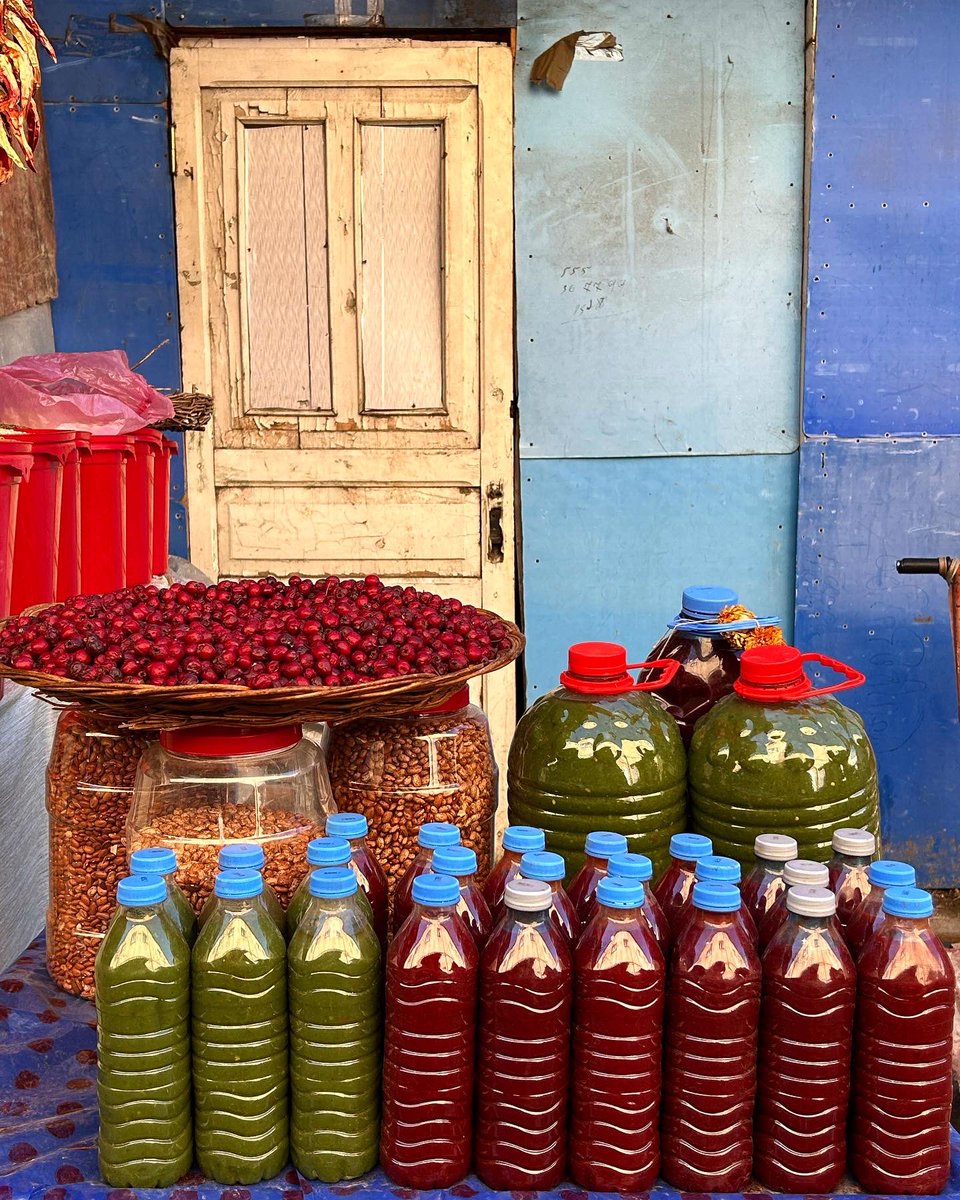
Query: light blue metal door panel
[[882, 353], [659, 231], [864, 505], [610, 544]]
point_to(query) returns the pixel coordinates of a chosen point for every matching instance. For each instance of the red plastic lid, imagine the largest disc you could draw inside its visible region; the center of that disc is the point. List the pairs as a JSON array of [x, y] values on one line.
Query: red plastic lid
[[15, 463], [229, 741], [122, 442], [152, 439], [457, 701], [44, 443], [776, 673], [597, 668], [169, 446]]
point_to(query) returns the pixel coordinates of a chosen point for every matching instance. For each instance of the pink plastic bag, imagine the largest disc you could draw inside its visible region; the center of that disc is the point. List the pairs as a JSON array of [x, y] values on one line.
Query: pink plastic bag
[[95, 391]]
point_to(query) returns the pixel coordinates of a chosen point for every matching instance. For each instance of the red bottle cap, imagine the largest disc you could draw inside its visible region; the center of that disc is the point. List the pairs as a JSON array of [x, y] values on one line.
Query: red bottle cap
[[457, 701], [227, 741], [600, 669], [773, 673]]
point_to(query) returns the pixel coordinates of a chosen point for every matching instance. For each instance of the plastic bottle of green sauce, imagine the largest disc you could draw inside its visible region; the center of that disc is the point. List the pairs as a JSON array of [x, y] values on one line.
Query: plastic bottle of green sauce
[[246, 856], [597, 753], [782, 756], [161, 860], [143, 1041], [336, 1029], [240, 1036]]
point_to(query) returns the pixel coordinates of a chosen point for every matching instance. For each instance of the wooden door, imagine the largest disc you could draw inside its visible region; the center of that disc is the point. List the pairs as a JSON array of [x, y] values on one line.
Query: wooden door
[[345, 261]]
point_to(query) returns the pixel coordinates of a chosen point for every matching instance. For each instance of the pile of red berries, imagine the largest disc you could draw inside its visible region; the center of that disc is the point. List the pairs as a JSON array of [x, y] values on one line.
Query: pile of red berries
[[261, 633]]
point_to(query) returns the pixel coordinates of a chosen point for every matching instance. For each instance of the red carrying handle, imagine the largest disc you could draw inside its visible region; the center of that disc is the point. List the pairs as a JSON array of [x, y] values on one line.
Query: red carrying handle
[[852, 677], [668, 666]]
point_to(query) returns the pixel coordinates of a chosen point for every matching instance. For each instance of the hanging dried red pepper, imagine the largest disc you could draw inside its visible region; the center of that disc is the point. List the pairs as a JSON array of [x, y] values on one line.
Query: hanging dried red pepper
[[19, 80]]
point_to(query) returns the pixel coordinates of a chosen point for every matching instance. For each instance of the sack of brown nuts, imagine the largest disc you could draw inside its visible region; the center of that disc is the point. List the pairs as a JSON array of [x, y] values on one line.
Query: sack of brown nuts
[[90, 780]]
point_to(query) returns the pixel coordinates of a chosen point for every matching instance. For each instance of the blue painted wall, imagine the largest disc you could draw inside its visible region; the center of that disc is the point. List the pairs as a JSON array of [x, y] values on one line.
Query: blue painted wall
[[659, 234], [882, 396]]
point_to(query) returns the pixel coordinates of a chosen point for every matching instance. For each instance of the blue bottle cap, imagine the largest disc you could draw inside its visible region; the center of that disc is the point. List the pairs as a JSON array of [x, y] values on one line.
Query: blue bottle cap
[[328, 851], [438, 833], [347, 825], [238, 883], [332, 883], [455, 860], [137, 890], [435, 891], [716, 897], [631, 866], [690, 846], [617, 892], [153, 860], [907, 902], [522, 839], [718, 868], [602, 844], [889, 872], [541, 864], [703, 603], [241, 855]]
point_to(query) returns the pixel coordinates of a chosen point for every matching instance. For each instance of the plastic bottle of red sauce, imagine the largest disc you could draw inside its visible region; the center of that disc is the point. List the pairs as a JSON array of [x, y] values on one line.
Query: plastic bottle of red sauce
[[430, 836], [461, 863], [900, 1132], [353, 828], [675, 885], [599, 848], [853, 851], [518, 840], [523, 1046], [428, 1073], [806, 1038], [716, 868], [797, 872], [550, 868], [639, 869], [710, 1056], [618, 1020], [867, 917], [764, 881]]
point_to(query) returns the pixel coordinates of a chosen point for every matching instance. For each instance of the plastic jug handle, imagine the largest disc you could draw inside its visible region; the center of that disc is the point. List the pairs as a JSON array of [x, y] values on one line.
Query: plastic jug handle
[[668, 668], [852, 678]]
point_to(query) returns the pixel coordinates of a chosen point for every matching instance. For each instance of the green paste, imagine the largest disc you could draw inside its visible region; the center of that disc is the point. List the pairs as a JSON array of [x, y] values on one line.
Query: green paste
[[301, 898], [180, 910], [267, 900]]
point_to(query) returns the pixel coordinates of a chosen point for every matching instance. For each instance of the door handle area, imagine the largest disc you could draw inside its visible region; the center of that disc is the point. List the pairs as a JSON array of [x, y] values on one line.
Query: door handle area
[[495, 538]]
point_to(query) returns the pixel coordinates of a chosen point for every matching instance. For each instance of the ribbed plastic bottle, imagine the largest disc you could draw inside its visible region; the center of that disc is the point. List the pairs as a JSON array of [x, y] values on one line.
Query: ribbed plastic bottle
[[784, 756], [902, 1079], [867, 917], [523, 1045], [240, 1036], [430, 836], [598, 849], [518, 840], [426, 1135], [336, 1027], [598, 753], [710, 1057], [717, 868], [321, 852], [853, 852], [370, 875], [763, 883], [675, 886], [550, 868], [806, 1039], [461, 863], [246, 856], [619, 971], [639, 869], [162, 861], [797, 872], [143, 1042]]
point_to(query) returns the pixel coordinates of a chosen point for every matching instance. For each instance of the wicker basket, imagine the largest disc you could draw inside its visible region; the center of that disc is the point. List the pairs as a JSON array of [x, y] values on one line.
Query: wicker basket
[[145, 706], [191, 410]]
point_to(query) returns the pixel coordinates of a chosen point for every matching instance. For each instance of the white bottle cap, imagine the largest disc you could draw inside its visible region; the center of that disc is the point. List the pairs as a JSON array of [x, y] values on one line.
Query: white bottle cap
[[777, 847], [804, 870], [859, 842], [528, 895], [811, 901]]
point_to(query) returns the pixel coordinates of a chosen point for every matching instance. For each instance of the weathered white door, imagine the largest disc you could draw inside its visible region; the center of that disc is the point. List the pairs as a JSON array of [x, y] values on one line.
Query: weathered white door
[[345, 258]]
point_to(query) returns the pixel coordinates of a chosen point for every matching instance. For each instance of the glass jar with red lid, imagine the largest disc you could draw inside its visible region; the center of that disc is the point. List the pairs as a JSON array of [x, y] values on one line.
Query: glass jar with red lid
[[202, 787], [403, 772]]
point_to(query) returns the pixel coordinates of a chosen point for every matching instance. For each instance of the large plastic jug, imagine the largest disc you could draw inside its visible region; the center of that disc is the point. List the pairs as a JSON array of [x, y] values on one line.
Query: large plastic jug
[[598, 753], [782, 756]]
